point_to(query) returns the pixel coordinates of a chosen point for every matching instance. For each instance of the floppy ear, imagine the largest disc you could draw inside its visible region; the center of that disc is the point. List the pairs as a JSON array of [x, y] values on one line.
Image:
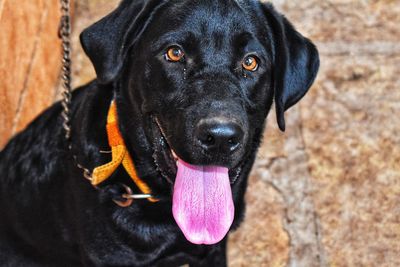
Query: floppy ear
[[108, 41], [296, 63]]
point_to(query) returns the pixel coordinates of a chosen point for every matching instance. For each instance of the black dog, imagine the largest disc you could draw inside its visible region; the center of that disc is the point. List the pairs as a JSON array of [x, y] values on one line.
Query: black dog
[[193, 81]]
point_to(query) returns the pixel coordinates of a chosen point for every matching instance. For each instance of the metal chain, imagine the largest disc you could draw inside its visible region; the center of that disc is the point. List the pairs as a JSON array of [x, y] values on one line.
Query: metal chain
[[65, 35]]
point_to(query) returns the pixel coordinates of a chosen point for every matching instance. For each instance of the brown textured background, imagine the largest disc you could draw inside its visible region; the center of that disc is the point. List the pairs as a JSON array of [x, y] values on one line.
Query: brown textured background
[[29, 61], [326, 192]]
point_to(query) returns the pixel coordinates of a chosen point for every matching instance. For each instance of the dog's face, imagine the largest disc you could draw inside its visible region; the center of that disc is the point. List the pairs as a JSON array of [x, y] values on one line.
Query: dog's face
[[207, 73], [207, 80]]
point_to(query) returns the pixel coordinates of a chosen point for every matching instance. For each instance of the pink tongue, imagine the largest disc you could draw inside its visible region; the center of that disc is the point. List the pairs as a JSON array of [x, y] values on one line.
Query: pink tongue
[[202, 203]]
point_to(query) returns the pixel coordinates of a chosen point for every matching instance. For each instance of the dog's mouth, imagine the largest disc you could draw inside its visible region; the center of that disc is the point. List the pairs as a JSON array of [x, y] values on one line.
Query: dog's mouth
[[166, 159], [202, 202]]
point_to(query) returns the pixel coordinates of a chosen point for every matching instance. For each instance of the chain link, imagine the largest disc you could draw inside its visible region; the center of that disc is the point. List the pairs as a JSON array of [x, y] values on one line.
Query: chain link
[[65, 35]]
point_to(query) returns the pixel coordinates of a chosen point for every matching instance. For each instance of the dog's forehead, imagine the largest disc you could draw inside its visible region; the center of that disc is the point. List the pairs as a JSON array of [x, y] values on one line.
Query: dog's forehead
[[204, 24], [206, 16]]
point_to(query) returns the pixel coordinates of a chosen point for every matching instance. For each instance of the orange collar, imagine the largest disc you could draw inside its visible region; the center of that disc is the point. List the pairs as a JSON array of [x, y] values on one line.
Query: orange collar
[[120, 155]]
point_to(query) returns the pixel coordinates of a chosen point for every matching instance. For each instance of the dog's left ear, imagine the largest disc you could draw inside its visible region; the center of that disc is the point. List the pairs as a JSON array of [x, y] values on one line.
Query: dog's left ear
[[108, 41], [296, 63]]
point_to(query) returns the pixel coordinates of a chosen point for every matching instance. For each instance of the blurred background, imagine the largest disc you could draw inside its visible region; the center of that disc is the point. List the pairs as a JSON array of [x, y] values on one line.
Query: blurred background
[[324, 193]]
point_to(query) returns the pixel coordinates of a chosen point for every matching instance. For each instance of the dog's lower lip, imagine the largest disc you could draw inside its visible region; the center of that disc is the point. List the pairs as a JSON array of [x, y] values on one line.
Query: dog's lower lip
[[174, 155]]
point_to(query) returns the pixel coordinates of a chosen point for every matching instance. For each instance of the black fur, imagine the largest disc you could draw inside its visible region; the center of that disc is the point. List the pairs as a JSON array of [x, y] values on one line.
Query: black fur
[[52, 216]]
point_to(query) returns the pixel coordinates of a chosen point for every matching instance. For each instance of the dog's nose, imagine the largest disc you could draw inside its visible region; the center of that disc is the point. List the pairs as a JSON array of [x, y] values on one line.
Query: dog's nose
[[216, 135]]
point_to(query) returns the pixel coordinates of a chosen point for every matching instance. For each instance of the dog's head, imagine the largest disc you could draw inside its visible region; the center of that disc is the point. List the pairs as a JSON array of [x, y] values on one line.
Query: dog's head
[[207, 72]]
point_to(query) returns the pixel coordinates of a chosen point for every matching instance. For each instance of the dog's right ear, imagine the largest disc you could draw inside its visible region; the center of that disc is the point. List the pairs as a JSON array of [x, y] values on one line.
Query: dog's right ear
[[108, 41], [296, 62]]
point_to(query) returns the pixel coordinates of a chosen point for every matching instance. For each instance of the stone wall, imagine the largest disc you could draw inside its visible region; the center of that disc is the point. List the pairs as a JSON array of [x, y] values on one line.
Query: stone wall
[[29, 61]]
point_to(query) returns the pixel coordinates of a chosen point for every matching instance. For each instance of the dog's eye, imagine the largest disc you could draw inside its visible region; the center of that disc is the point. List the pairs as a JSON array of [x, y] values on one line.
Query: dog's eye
[[250, 63], [174, 54]]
